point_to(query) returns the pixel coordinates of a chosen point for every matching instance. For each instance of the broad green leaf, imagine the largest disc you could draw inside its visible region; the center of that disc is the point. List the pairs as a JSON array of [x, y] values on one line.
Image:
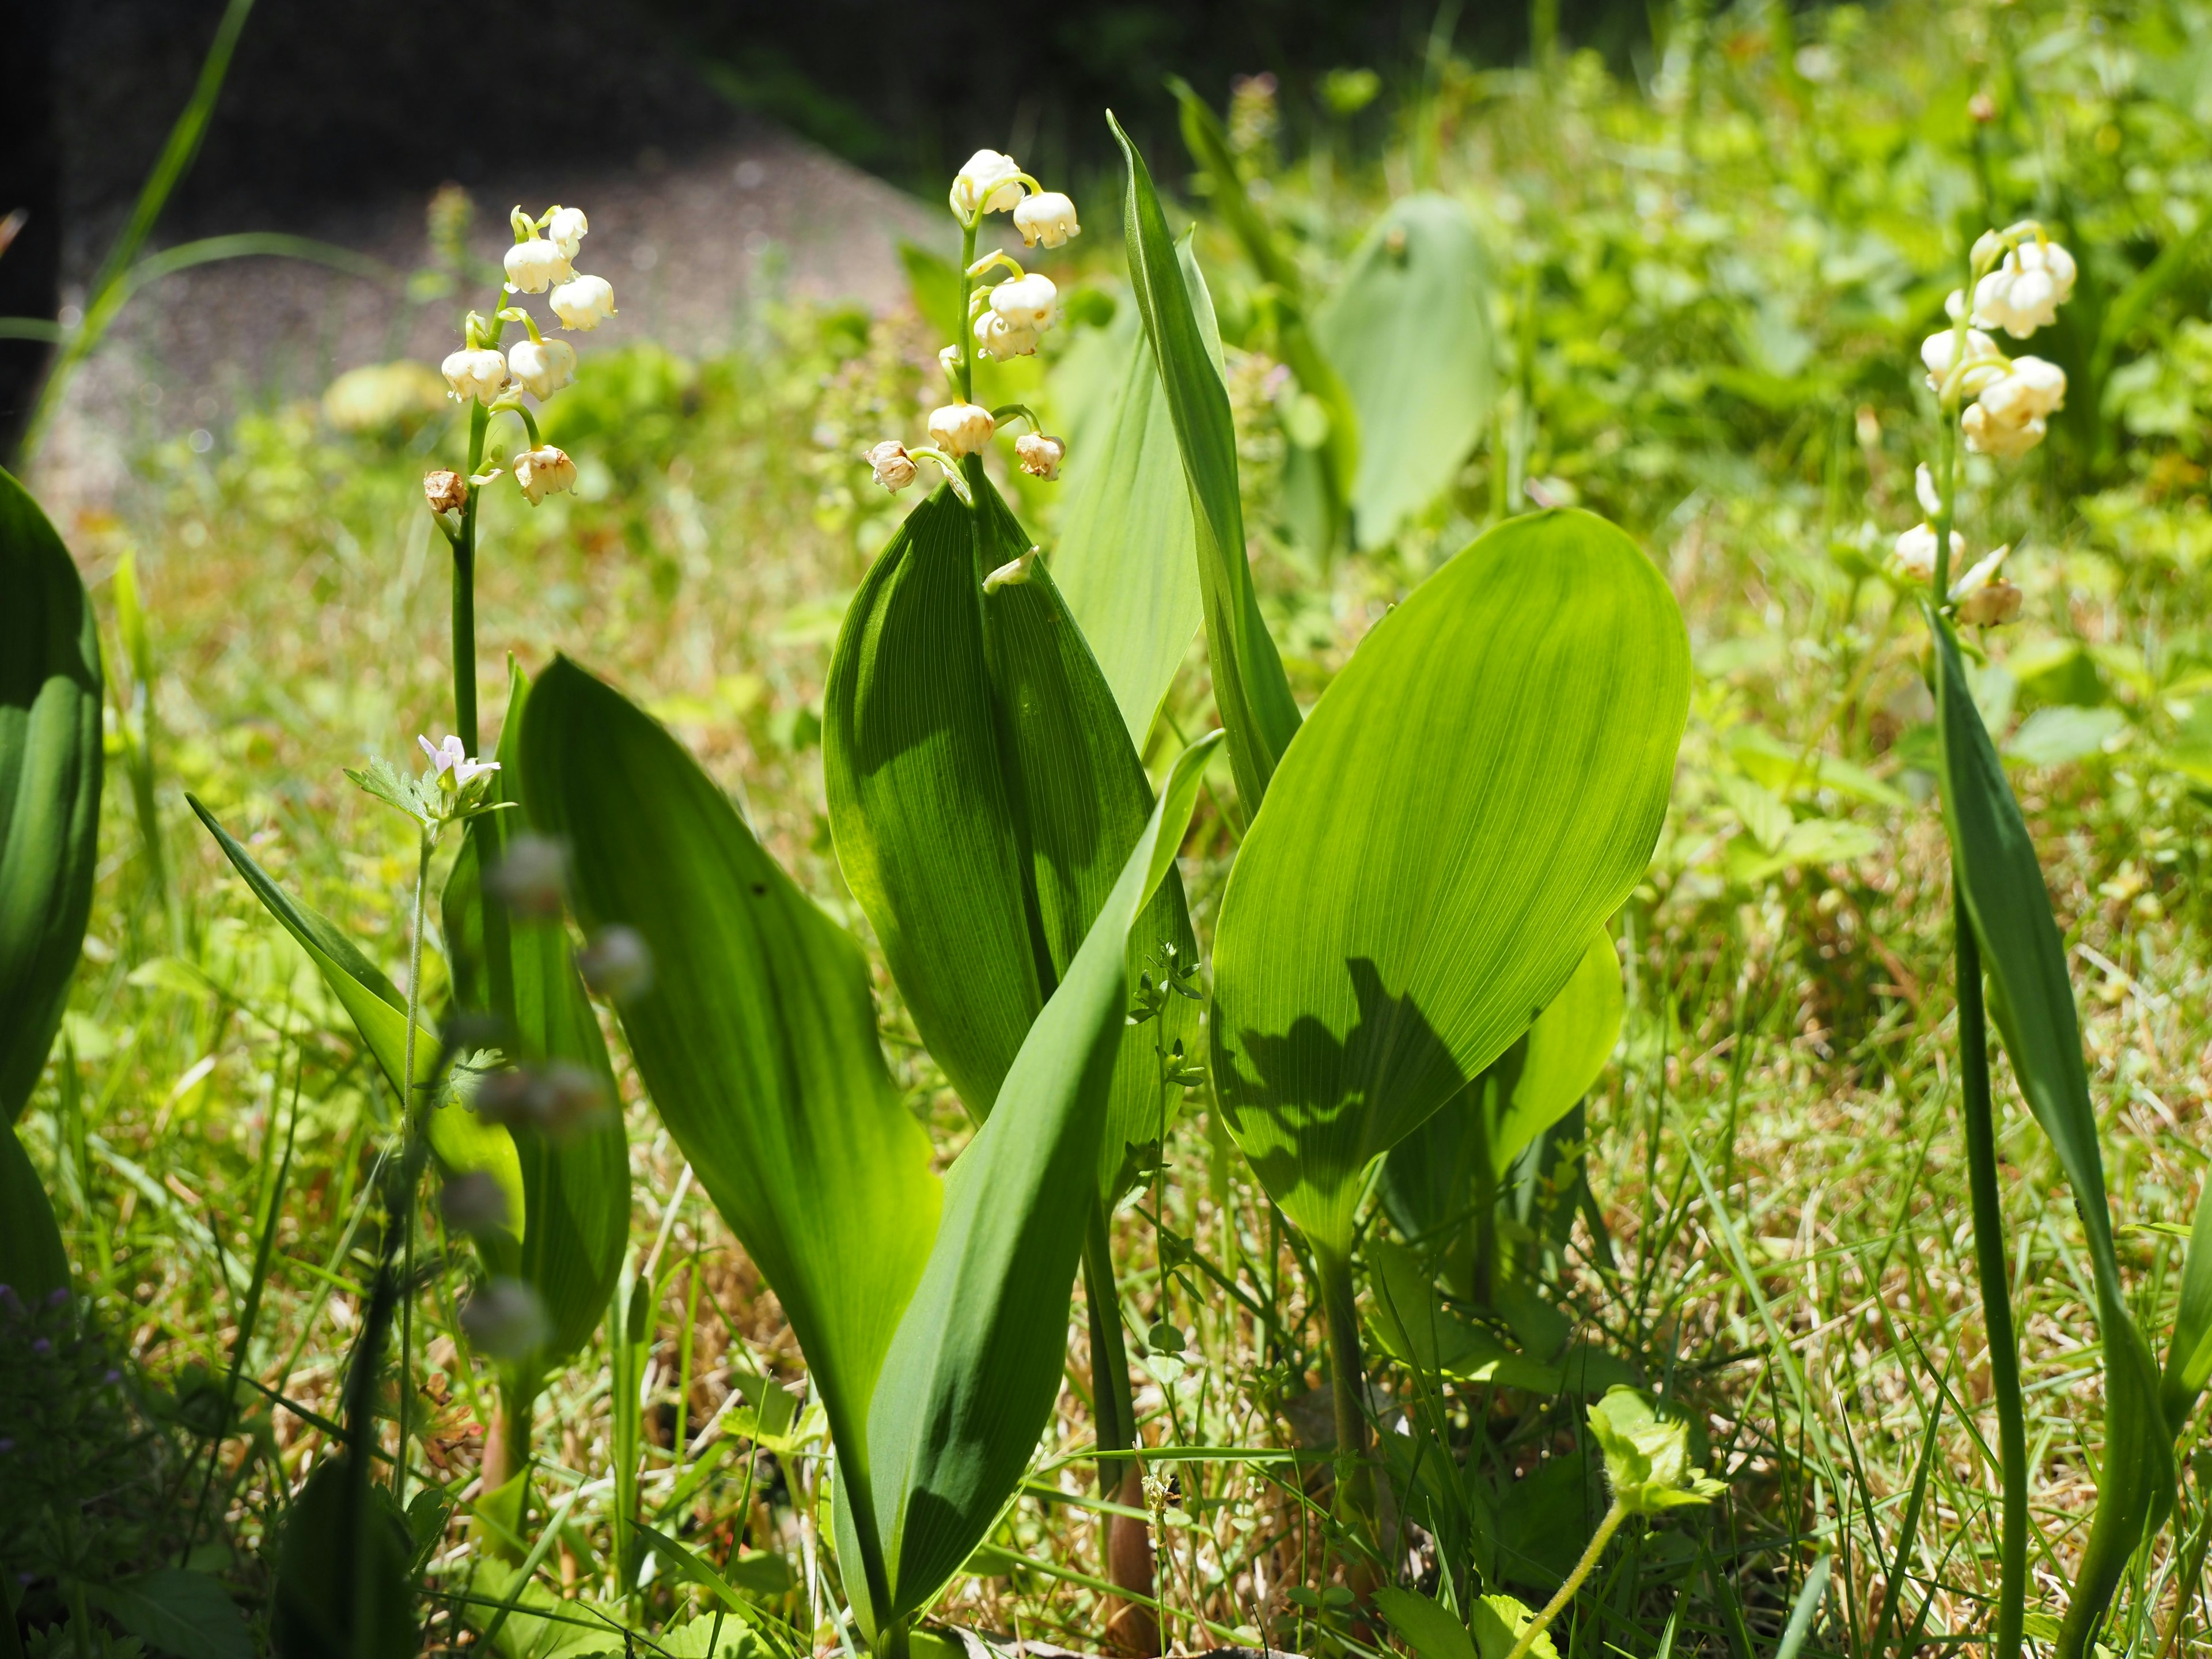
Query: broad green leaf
[[983, 792], [461, 1140], [341, 1585], [2032, 1003], [32, 1258], [576, 1188], [1474, 794], [1408, 329], [1417, 1329], [51, 764], [1430, 1629], [975, 1365], [2189, 1357], [1249, 689], [756, 1038], [1127, 560], [2054, 736], [175, 1611]]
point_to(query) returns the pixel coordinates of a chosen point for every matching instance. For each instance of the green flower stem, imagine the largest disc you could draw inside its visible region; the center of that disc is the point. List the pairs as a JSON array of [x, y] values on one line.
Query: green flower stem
[[1557, 1604], [464, 591], [1991, 1267], [1113, 1402], [415, 1116], [965, 345], [1346, 1374]]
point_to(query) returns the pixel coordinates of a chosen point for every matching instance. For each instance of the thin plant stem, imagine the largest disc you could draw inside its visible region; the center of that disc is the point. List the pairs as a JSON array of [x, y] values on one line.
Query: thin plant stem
[[965, 344], [1536, 1626], [1990, 1267], [412, 1168], [464, 591]]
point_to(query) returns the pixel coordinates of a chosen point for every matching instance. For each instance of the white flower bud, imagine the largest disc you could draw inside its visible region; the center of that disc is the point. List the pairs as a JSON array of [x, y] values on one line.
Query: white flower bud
[[477, 373], [1986, 247], [2024, 293], [542, 471], [894, 467], [990, 183], [565, 228], [542, 367], [584, 303], [1991, 606], [2030, 390], [1040, 454], [1924, 486], [1982, 358], [1916, 551], [1026, 302], [1049, 218], [961, 430], [996, 337], [1984, 572], [1012, 573], [535, 265]]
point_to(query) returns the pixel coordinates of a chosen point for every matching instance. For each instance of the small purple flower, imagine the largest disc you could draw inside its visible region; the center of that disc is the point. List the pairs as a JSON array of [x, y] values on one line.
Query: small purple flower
[[59, 1297], [111, 1376], [6, 1444], [42, 1347]]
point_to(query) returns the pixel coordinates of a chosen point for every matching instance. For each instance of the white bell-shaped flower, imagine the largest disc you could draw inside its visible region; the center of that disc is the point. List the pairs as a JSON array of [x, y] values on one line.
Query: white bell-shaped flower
[[1939, 351], [535, 265], [584, 302], [542, 471], [998, 338], [542, 367], [961, 430], [1991, 606], [477, 373], [2030, 389], [1026, 302], [2024, 293], [990, 183], [2008, 441], [1916, 551], [1040, 454], [894, 467], [1047, 218], [565, 228]]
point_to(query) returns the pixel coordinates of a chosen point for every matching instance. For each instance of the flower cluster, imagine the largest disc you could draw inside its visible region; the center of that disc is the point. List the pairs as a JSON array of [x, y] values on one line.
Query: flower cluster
[[542, 261], [1006, 320]]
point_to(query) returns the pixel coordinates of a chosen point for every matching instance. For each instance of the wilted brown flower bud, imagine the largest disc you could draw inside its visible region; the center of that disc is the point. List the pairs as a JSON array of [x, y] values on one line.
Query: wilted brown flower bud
[[444, 491]]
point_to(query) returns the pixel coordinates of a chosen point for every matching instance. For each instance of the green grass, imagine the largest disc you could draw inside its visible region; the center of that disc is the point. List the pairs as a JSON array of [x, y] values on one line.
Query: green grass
[[1711, 293]]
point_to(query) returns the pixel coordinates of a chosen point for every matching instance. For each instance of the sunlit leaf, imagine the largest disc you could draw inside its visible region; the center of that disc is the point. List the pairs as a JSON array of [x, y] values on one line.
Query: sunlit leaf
[[2189, 1357], [1475, 793], [32, 1258], [1257, 709], [2032, 1003], [51, 765]]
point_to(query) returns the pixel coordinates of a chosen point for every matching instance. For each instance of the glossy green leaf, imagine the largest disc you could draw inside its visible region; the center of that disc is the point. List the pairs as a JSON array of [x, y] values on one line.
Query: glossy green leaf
[[972, 1374], [576, 1188], [461, 1140], [32, 1258], [2189, 1357], [756, 1038], [51, 764], [1249, 689], [2031, 1002], [1126, 559], [1476, 792], [983, 792], [1408, 329]]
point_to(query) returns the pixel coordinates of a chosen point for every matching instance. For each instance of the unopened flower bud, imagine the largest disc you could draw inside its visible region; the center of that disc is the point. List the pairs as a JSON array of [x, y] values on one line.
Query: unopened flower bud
[[584, 303], [1991, 606], [473, 1203], [565, 228], [444, 491], [617, 963], [535, 265], [1026, 303], [505, 1320], [990, 183], [531, 876], [477, 373], [1040, 454], [1013, 573], [557, 1098], [2024, 293], [542, 471], [1984, 572], [1916, 551], [1924, 486], [1938, 353], [894, 467], [1983, 108], [961, 430], [1049, 218], [542, 367]]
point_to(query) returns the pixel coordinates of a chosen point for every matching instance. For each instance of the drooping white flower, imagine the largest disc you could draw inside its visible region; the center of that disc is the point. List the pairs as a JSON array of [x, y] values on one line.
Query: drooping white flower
[[894, 467], [961, 430], [1040, 454], [998, 338], [535, 265], [990, 183], [565, 228], [1916, 551], [480, 373], [543, 366], [2024, 293], [1049, 218], [584, 302], [1938, 352], [2007, 440], [455, 767], [1026, 302], [2009, 418], [542, 471]]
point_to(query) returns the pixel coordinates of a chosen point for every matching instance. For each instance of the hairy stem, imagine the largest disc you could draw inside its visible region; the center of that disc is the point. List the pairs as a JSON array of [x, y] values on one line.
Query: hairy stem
[[1991, 1267], [1557, 1604]]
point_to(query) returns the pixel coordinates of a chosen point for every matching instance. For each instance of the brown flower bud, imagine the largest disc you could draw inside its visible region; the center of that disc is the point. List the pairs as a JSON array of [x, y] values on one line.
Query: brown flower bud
[[1040, 454], [1982, 107], [444, 491], [1991, 606]]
